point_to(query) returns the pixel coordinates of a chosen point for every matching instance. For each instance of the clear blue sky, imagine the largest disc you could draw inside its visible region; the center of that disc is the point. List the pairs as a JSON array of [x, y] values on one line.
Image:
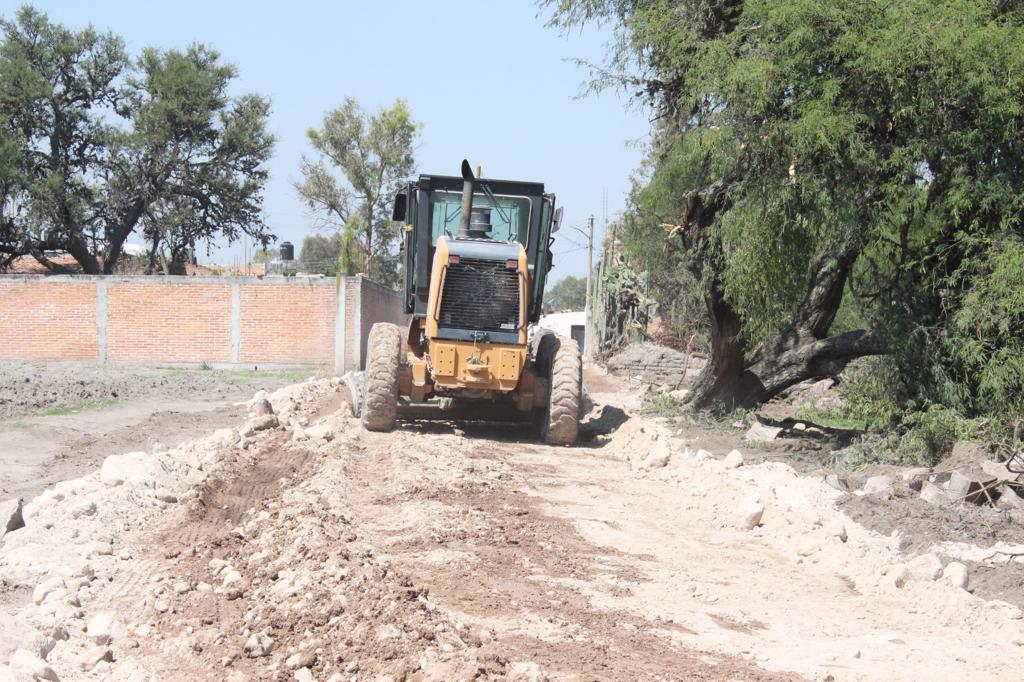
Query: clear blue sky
[[486, 79]]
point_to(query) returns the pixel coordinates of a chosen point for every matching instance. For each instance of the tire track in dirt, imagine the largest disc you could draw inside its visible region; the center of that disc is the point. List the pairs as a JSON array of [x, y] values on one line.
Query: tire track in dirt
[[190, 626], [454, 513]]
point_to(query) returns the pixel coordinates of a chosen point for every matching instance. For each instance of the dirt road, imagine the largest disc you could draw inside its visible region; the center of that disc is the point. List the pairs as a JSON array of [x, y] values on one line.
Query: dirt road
[[311, 550]]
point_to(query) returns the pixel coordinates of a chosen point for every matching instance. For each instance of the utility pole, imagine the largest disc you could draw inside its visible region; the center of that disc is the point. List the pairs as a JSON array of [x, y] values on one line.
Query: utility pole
[[588, 332], [588, 326]]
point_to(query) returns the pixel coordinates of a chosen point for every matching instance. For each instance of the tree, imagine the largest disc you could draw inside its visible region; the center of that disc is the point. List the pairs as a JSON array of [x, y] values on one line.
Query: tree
[[320, 254], [813, 154], [374, 153], [569, 293], [106, 145]]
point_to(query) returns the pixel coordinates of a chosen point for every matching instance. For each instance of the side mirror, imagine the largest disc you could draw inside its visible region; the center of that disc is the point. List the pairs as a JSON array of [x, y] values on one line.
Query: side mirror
[[398, 214], [556, 223]]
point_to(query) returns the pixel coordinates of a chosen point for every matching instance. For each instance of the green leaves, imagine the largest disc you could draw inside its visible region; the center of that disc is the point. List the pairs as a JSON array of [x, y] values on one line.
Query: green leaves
[[374, 152], [893, 127], [105, 145]]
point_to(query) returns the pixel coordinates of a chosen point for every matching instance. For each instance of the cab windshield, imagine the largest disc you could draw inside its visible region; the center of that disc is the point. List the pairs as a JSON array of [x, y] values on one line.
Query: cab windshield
[[510, 215]]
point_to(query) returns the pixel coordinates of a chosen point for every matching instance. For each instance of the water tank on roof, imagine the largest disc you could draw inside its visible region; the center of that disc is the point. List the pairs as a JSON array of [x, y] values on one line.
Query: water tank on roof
[[287, 251]]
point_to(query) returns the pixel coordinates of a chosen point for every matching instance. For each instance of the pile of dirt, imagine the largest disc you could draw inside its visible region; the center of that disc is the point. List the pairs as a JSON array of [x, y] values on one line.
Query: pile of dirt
[[298, 546], [27, 387], [231, 557]]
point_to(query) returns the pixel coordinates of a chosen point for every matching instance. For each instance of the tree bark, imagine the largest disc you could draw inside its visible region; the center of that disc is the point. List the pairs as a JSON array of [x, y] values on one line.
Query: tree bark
[[800, 352], [716, 384]]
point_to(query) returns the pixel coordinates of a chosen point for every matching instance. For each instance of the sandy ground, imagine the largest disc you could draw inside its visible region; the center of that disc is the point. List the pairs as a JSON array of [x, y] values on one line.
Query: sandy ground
[[59, 420], [301, 547]]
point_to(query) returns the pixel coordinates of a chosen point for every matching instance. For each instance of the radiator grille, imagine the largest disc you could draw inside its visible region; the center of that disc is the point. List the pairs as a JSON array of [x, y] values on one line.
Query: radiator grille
[[480, 295]]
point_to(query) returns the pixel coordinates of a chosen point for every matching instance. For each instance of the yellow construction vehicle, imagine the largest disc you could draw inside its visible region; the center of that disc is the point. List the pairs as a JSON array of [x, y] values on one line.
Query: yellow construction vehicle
[[476, 253]]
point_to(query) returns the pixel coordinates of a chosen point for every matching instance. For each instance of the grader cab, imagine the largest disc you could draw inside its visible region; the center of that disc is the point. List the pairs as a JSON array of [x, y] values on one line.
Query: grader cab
[[475, 259]]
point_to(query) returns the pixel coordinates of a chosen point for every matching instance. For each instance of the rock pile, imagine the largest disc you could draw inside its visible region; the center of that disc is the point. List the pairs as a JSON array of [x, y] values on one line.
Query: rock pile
[[654, 364]]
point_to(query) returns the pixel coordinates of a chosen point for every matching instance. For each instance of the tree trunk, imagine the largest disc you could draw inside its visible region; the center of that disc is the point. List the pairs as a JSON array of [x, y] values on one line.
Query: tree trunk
[[799, 352], [716, 384], [80, 252]]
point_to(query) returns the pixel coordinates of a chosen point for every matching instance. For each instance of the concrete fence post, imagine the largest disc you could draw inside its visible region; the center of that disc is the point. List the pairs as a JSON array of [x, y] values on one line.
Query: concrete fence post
[[236, 322], [101, 319], [339, 326], [357, 319]]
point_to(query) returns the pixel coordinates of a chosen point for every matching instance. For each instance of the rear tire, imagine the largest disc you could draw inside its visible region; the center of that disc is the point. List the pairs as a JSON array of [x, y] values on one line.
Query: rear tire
[[560, 359], [383, 358]]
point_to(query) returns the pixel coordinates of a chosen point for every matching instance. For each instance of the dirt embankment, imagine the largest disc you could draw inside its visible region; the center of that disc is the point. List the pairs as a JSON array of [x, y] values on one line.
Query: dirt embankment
[[300, 547]]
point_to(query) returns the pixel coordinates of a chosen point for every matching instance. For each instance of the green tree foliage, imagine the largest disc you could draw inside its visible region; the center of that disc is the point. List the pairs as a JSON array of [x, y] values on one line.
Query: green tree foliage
[[322, 254], [569, 293], [810, 153], [374, 152], [95, 145]]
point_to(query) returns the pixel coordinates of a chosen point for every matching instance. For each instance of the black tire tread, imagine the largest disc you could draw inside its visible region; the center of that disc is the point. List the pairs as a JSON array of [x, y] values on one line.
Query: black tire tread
[[383, 360], [561, 422]]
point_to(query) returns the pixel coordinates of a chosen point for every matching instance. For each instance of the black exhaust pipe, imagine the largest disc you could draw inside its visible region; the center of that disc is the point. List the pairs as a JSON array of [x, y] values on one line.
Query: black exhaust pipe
[[467, 198]]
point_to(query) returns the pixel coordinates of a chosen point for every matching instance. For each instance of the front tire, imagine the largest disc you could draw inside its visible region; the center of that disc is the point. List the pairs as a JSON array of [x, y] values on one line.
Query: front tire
[[560, 358], [383, 359]]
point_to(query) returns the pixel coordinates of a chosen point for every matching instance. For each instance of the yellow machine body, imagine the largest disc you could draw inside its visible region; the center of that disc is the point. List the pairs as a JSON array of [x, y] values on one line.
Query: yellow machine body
[[472, 369]]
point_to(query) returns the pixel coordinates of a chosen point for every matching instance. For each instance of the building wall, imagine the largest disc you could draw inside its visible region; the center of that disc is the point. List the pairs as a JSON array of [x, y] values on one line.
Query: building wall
[[562, 323], [229, 321], [56, 322]]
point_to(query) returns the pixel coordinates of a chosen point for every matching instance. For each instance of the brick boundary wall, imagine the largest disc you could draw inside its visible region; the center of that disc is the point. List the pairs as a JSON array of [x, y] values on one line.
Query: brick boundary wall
[[223, 321]]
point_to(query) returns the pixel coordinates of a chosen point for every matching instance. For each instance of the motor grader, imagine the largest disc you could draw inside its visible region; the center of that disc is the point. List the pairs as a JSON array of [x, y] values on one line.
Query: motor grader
[[476, 254]]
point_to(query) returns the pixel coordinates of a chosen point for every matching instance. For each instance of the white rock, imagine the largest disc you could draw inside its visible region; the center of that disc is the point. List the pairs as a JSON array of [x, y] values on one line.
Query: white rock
[[996, 470], [879, 487], [100, 548], [933, 494], [10, 631], [301, 659], [262, 423], [955, 573], [926, 567], [43, 589], [91, 658], [915, 473], [86, 508], [41, 644], [838, 482], [165, 495], [133, 467], [100, 628], [808, 547], [658, 456], [11, 517], [258, 645], [234, 586], [750, 518], [320, 432], [897, 575], [27, 665], [303, 675], [733, 460], [762, 433]]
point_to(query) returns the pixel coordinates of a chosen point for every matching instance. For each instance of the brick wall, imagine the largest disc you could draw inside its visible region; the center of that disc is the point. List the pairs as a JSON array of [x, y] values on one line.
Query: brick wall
[[179, 320], [55, 322], [288, 324], [219, 320]]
